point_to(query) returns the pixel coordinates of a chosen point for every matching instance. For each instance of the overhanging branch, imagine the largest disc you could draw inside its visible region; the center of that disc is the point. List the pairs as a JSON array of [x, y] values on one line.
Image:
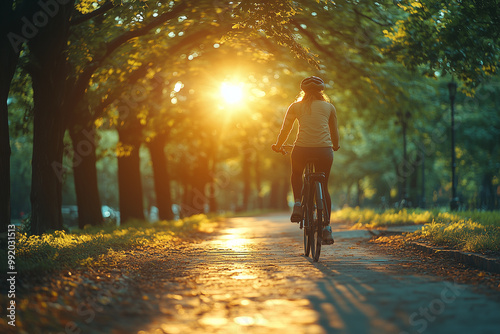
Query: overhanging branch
[[83, 80], [80, 18], [141, 72], [371, 19], [321, 48]]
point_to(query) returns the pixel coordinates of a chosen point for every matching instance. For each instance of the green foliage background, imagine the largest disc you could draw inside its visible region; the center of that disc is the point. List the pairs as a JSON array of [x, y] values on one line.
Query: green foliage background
[[386, 64]]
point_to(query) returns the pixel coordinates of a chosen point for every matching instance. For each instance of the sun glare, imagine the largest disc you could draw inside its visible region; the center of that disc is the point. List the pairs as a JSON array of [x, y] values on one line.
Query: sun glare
[[231, 93]]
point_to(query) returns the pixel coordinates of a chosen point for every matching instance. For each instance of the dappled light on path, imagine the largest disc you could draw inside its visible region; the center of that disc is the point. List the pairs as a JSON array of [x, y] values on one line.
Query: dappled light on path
[[252, 277], [235, 240]]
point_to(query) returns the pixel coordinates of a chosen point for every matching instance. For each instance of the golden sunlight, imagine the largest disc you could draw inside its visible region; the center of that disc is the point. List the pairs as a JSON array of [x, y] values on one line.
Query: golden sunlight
[[231, 93]]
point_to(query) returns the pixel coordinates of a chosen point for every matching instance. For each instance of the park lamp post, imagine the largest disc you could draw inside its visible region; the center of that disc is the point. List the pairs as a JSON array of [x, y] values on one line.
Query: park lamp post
[[452, 89]]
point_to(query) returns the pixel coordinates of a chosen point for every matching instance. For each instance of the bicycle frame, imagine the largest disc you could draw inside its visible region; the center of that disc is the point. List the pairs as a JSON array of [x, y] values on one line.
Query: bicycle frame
[[314, 208]]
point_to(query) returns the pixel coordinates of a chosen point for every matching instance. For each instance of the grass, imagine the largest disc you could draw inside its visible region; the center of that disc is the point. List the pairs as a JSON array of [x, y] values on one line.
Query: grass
[[473, 231], [368, 218], [86, 247]]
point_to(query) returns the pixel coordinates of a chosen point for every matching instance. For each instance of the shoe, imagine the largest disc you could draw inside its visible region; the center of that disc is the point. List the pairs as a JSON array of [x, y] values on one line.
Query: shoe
[[296, 214], [327, 236]]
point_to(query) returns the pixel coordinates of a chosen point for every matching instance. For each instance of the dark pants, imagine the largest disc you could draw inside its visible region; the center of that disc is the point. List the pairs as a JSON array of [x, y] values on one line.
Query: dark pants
[[322, 157]]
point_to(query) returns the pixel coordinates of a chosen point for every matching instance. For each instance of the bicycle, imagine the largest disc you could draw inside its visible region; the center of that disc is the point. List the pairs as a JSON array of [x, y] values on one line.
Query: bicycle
[[315, 214]]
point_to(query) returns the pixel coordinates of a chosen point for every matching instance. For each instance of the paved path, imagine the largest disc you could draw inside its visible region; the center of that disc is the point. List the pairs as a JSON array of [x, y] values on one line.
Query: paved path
[[253, 278]]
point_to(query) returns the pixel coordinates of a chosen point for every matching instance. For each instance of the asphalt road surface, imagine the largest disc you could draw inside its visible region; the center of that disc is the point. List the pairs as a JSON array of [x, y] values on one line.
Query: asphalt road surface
[[252, 277]]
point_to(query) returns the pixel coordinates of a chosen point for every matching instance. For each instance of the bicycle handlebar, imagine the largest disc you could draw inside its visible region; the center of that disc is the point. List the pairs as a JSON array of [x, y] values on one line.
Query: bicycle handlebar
[[284, 149]]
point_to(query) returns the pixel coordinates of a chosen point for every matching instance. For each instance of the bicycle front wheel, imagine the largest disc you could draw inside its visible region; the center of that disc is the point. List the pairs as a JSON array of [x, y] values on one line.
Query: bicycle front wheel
[[317, 236], [306, 228], [317, 228]]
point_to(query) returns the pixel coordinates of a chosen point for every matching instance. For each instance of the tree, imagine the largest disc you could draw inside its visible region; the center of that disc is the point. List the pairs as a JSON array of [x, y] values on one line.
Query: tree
[[53, 99], [478, 149], [48, 70], [205, 16], [8, 61], [84, 141], [13, 33], [460, 38]]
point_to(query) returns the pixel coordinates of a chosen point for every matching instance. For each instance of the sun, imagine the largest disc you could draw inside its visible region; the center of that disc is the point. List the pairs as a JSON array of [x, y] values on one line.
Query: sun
[[231, 93]]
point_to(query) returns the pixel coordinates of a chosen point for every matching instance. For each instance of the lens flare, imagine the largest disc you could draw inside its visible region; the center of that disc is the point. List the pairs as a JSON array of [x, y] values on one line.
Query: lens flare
[[231, 93]]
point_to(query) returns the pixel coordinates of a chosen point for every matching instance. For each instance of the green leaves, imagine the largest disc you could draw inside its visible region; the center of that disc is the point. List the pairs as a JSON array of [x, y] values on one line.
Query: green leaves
[[271, 18], [459, 38]]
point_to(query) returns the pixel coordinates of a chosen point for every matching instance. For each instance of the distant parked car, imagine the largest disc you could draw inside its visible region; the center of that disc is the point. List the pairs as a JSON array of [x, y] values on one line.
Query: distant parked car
[[153, 214], [110, 215], [176, 209], [70, 215]]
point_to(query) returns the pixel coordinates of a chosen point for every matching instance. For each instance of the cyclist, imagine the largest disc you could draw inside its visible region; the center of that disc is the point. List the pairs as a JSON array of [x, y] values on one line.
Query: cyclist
[[317, 138]]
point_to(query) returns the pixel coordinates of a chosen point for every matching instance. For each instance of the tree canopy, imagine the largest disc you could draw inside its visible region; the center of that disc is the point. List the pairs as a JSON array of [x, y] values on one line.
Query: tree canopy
[[137, 104]]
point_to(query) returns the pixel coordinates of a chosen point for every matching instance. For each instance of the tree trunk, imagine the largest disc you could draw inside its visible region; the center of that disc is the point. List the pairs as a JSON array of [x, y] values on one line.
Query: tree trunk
[[184, 177], [8, 61], [348, 195], [284, 196], [186, 209], [212, 202], [129, 177], [48, 171], [258, 182], [199, 180], [4, 163], [85, 174], [246, 182], [48, 67], [359, 193], [413, 194], [422, 196], [161, 177], [404, 173], [400, 183], [274, 195], [487, 192]]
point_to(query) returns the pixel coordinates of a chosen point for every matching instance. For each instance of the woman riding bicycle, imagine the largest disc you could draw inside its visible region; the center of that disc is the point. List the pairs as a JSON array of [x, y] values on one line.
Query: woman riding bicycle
[[316, 140]]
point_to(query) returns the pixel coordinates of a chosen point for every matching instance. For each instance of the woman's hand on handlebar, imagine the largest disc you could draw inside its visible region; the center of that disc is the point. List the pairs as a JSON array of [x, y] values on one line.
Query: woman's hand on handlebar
[[283, 149]]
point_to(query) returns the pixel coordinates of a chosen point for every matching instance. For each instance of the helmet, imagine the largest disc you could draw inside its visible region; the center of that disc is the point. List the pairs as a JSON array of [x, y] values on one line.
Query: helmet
[[312, 84]]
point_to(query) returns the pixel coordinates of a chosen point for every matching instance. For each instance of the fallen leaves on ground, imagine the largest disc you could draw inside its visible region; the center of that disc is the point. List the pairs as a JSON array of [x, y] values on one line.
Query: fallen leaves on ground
[[121, 285]]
